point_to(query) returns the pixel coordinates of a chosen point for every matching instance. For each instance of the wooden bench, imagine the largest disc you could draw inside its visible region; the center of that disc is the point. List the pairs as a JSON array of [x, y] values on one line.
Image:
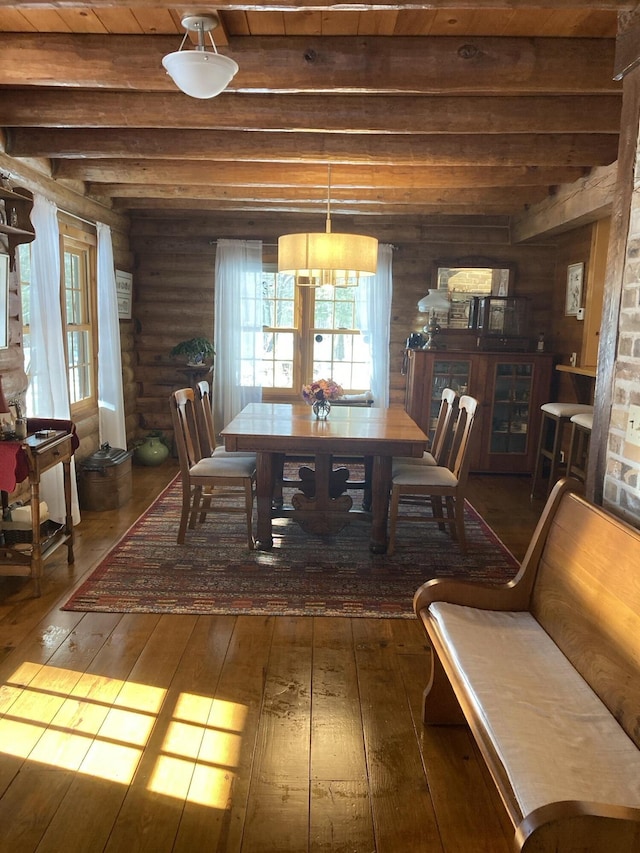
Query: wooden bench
[[545, 670]]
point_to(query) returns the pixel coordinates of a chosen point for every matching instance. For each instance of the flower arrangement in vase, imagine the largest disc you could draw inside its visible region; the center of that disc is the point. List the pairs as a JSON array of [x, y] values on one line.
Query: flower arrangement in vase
[[319, 393]]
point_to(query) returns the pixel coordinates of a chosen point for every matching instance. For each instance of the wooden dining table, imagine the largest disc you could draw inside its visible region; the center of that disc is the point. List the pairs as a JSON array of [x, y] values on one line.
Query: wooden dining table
[[276, 430]]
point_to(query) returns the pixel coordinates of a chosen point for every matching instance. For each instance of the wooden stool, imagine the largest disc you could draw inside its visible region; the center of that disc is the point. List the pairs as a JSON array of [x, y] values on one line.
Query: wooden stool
[[555, 417], [581, 426]]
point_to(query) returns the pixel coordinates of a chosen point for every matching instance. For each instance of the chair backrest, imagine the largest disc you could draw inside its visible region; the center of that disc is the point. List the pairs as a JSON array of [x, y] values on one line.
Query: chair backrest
[[444, 426], [183, 415], [459, 455], [204, 418]]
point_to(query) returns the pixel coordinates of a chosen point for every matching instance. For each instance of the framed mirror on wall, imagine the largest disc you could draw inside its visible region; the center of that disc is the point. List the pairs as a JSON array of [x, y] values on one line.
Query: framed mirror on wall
[[4, 301], [465, 280]]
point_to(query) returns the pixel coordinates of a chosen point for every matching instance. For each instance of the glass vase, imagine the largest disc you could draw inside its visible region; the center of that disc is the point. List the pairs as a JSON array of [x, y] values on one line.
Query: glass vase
[[321, 409]]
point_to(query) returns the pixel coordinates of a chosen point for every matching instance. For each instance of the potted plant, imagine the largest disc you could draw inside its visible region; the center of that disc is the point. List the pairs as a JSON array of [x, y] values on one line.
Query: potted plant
[[197, 350]]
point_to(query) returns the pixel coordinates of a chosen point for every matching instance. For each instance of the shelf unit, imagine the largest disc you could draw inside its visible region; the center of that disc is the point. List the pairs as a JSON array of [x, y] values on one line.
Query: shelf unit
[[15, 218], [510, 388]]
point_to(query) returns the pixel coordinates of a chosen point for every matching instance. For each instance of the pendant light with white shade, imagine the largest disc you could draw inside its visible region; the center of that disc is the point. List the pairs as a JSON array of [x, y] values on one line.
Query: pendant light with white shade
[[315, 259]]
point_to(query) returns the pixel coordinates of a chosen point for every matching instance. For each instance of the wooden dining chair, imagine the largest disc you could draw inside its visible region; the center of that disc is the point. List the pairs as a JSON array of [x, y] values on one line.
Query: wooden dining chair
[[429, 485], [206, 429], [442, 436], [206, 478]]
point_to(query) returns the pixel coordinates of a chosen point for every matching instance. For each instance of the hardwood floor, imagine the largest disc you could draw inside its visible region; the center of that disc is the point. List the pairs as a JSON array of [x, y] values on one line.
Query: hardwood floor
[[178, 733]]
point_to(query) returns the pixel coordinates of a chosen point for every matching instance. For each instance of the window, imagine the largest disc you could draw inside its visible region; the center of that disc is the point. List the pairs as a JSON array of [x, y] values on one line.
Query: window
[[78, 299], [310, 333], [77, 319], [339, 351], [280, 332]]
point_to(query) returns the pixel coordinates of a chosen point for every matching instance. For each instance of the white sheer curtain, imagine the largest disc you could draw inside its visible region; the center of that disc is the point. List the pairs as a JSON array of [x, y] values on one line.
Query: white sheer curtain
[[373, 308], [238, 328], [110, 394], [48, 393]]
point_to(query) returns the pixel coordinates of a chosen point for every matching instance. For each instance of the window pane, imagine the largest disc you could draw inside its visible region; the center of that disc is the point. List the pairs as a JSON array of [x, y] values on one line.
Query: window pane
[[343, 357], [278, 360], [284, 346], [24, 262], [278, 346], [78, 321]]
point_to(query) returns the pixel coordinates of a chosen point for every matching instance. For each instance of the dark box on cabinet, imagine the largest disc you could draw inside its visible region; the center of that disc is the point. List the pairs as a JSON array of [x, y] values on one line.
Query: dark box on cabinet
[[104, 480]]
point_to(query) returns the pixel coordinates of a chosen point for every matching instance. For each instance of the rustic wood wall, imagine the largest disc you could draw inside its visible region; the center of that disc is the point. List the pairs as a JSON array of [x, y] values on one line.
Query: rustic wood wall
[[566, 333], [172, 257], [174, 284]]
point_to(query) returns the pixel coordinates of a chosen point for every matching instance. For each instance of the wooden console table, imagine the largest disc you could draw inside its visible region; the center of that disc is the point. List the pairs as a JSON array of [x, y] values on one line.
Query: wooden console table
[[27, 558]]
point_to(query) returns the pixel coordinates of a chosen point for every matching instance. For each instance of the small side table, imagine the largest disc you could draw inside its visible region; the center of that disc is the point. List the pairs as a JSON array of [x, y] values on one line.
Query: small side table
[[195, 373], [27, 559]]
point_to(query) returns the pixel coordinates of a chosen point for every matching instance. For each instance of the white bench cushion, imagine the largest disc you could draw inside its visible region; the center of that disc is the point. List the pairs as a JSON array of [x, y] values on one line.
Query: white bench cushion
[[555, 737]]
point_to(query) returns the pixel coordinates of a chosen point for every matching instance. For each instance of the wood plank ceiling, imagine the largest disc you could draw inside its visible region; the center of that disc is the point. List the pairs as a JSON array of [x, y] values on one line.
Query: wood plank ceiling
[[421, 109]]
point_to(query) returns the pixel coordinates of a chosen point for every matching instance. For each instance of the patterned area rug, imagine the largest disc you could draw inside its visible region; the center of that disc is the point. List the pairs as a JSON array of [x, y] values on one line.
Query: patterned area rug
[[215, 573]]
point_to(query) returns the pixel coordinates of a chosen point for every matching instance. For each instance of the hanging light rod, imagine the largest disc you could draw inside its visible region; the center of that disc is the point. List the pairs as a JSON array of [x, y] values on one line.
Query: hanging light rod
[[316, 259], [200, 73]]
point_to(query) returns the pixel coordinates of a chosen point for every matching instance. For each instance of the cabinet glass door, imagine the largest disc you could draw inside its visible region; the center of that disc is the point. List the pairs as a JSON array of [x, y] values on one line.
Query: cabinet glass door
[[510, 407], [446, 374]]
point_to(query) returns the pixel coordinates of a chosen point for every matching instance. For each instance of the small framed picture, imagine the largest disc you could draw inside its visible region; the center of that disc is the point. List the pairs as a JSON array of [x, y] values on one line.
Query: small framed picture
[[575, 274], [124, 290]]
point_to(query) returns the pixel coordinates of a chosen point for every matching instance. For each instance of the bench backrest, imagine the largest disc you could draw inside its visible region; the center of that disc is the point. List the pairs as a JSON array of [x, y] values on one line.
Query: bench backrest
[[586, 595]]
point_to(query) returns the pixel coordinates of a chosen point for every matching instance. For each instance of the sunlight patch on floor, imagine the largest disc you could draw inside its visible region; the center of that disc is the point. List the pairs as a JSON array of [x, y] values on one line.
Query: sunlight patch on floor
[[100, 727], [213, 745]]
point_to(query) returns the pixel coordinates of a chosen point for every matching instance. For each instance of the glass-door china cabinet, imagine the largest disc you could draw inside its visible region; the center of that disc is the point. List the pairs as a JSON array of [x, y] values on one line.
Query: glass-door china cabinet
[[510, 388]]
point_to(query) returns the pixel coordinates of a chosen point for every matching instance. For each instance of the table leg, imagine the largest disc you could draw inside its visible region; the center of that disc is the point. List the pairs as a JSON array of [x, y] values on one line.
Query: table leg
[[381, 485], [265, 481], [277, 500], [368, 475], [36, 547], [66, 468]]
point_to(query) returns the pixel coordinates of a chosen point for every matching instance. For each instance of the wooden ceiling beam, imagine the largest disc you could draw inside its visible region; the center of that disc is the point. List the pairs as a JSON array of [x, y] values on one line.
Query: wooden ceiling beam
[[254, 147], [457, 202], [85, 147], [314, 200], [537, 151], [412, 65], [367, 181], [321, 113], [585, 200]]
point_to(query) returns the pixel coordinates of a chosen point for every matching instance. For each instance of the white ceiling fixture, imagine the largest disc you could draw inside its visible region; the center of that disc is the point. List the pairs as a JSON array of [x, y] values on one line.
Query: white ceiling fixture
[[200, 73]]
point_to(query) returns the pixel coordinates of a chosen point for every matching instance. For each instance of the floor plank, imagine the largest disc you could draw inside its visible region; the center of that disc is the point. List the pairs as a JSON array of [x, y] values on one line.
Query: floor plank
[[403, 814], [234, 734], [337, 747], [278, 806]]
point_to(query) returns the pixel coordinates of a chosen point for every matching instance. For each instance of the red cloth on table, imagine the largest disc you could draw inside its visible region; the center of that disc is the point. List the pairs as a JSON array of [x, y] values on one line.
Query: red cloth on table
[[14, 467]]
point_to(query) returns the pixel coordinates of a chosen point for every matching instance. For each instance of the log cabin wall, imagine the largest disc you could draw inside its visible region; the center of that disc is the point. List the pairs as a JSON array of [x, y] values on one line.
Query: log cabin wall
[[174, 284]]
